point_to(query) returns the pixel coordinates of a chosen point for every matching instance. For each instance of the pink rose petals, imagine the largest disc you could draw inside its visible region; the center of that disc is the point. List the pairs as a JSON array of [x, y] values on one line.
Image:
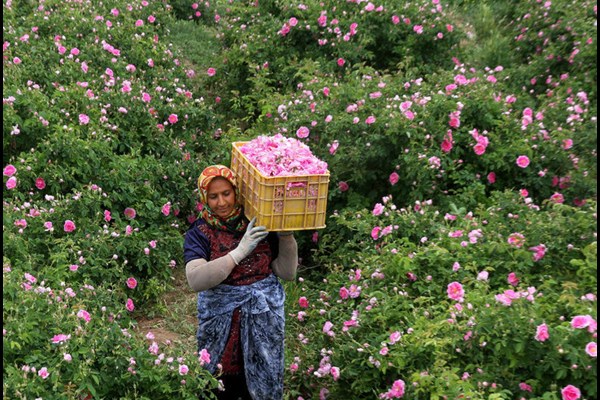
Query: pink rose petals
[[281, 156]]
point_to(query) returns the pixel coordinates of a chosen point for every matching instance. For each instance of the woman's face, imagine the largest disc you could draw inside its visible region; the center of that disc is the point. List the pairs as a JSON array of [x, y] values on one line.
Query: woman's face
[[221, 197]]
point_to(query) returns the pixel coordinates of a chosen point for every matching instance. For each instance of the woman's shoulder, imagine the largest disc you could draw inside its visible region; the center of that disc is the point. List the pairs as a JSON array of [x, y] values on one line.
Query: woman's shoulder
[[194, 226], [197, 222]]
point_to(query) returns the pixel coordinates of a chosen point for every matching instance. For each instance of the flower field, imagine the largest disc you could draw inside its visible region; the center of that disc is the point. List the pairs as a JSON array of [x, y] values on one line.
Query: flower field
[[459, 257]]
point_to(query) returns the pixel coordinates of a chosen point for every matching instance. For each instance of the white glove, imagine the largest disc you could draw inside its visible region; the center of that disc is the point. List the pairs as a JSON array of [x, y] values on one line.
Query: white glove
[[253, 236]]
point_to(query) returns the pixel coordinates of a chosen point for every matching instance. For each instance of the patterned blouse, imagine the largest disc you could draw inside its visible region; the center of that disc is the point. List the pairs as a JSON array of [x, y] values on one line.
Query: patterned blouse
[[248, 304]]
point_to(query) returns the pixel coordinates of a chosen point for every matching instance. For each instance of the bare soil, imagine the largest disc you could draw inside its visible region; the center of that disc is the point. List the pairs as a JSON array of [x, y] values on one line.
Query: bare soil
[[176, 321]]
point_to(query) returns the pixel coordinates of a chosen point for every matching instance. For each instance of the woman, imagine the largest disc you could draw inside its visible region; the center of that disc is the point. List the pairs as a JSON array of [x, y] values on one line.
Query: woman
[[234, 266]]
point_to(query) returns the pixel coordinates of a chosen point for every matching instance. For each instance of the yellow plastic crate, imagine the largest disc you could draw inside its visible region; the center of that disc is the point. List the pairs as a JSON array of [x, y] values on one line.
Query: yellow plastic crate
[[280, 203]]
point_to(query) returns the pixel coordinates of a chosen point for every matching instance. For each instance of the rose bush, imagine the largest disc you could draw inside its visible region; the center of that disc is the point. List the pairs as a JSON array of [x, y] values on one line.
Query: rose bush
[[443, 132], [78, 341], [104, 137], [448, 303]]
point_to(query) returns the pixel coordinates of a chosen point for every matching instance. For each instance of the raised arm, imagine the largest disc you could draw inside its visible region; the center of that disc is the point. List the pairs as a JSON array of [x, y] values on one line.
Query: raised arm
[[286, 263]]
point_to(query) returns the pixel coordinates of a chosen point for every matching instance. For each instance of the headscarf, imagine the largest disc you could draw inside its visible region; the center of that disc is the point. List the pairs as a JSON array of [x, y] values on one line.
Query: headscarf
[[235, 222]]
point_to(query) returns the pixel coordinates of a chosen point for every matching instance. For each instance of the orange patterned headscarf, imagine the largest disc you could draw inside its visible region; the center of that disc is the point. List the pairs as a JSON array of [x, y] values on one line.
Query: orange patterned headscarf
[[233, 222], [209, 174]]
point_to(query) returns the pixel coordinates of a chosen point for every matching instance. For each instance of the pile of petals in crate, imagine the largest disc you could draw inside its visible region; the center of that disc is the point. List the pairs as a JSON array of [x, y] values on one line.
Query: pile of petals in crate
[[281, 156]]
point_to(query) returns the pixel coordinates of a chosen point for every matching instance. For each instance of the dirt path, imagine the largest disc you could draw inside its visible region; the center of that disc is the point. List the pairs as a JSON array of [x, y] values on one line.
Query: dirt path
[[173, 318]]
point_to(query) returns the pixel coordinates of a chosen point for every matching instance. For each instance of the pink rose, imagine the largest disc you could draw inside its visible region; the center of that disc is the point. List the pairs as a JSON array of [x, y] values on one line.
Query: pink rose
[[397, 389], [570, 392], [69, 226], [343, 186], [40, 183], [455, 291], [375, 232], [581, 321], [11, 183], [285, 29], [84, 119], [204, 357], [334, 146], [9, 170], [131, 283], [315, 237], [183, 369], [479, 149], [557, 198], [378, 209], [303, 302], [454, 122], [567, 144], [173, 119], [446, 146], [394, 178], [335, 372], [43, 373], [512, 279], [84, 315], [542, 333], [211, 71], [525, 387], [344, 293], [166, 209], [523, 161], [591, 349], [516, 240], [129, 305], [539, 251], [60, 338], [302, 132], [130, 213], [395, 337]]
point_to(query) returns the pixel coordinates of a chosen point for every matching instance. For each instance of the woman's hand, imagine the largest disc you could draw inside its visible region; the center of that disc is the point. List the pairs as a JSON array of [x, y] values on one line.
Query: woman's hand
[[252, 237]]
